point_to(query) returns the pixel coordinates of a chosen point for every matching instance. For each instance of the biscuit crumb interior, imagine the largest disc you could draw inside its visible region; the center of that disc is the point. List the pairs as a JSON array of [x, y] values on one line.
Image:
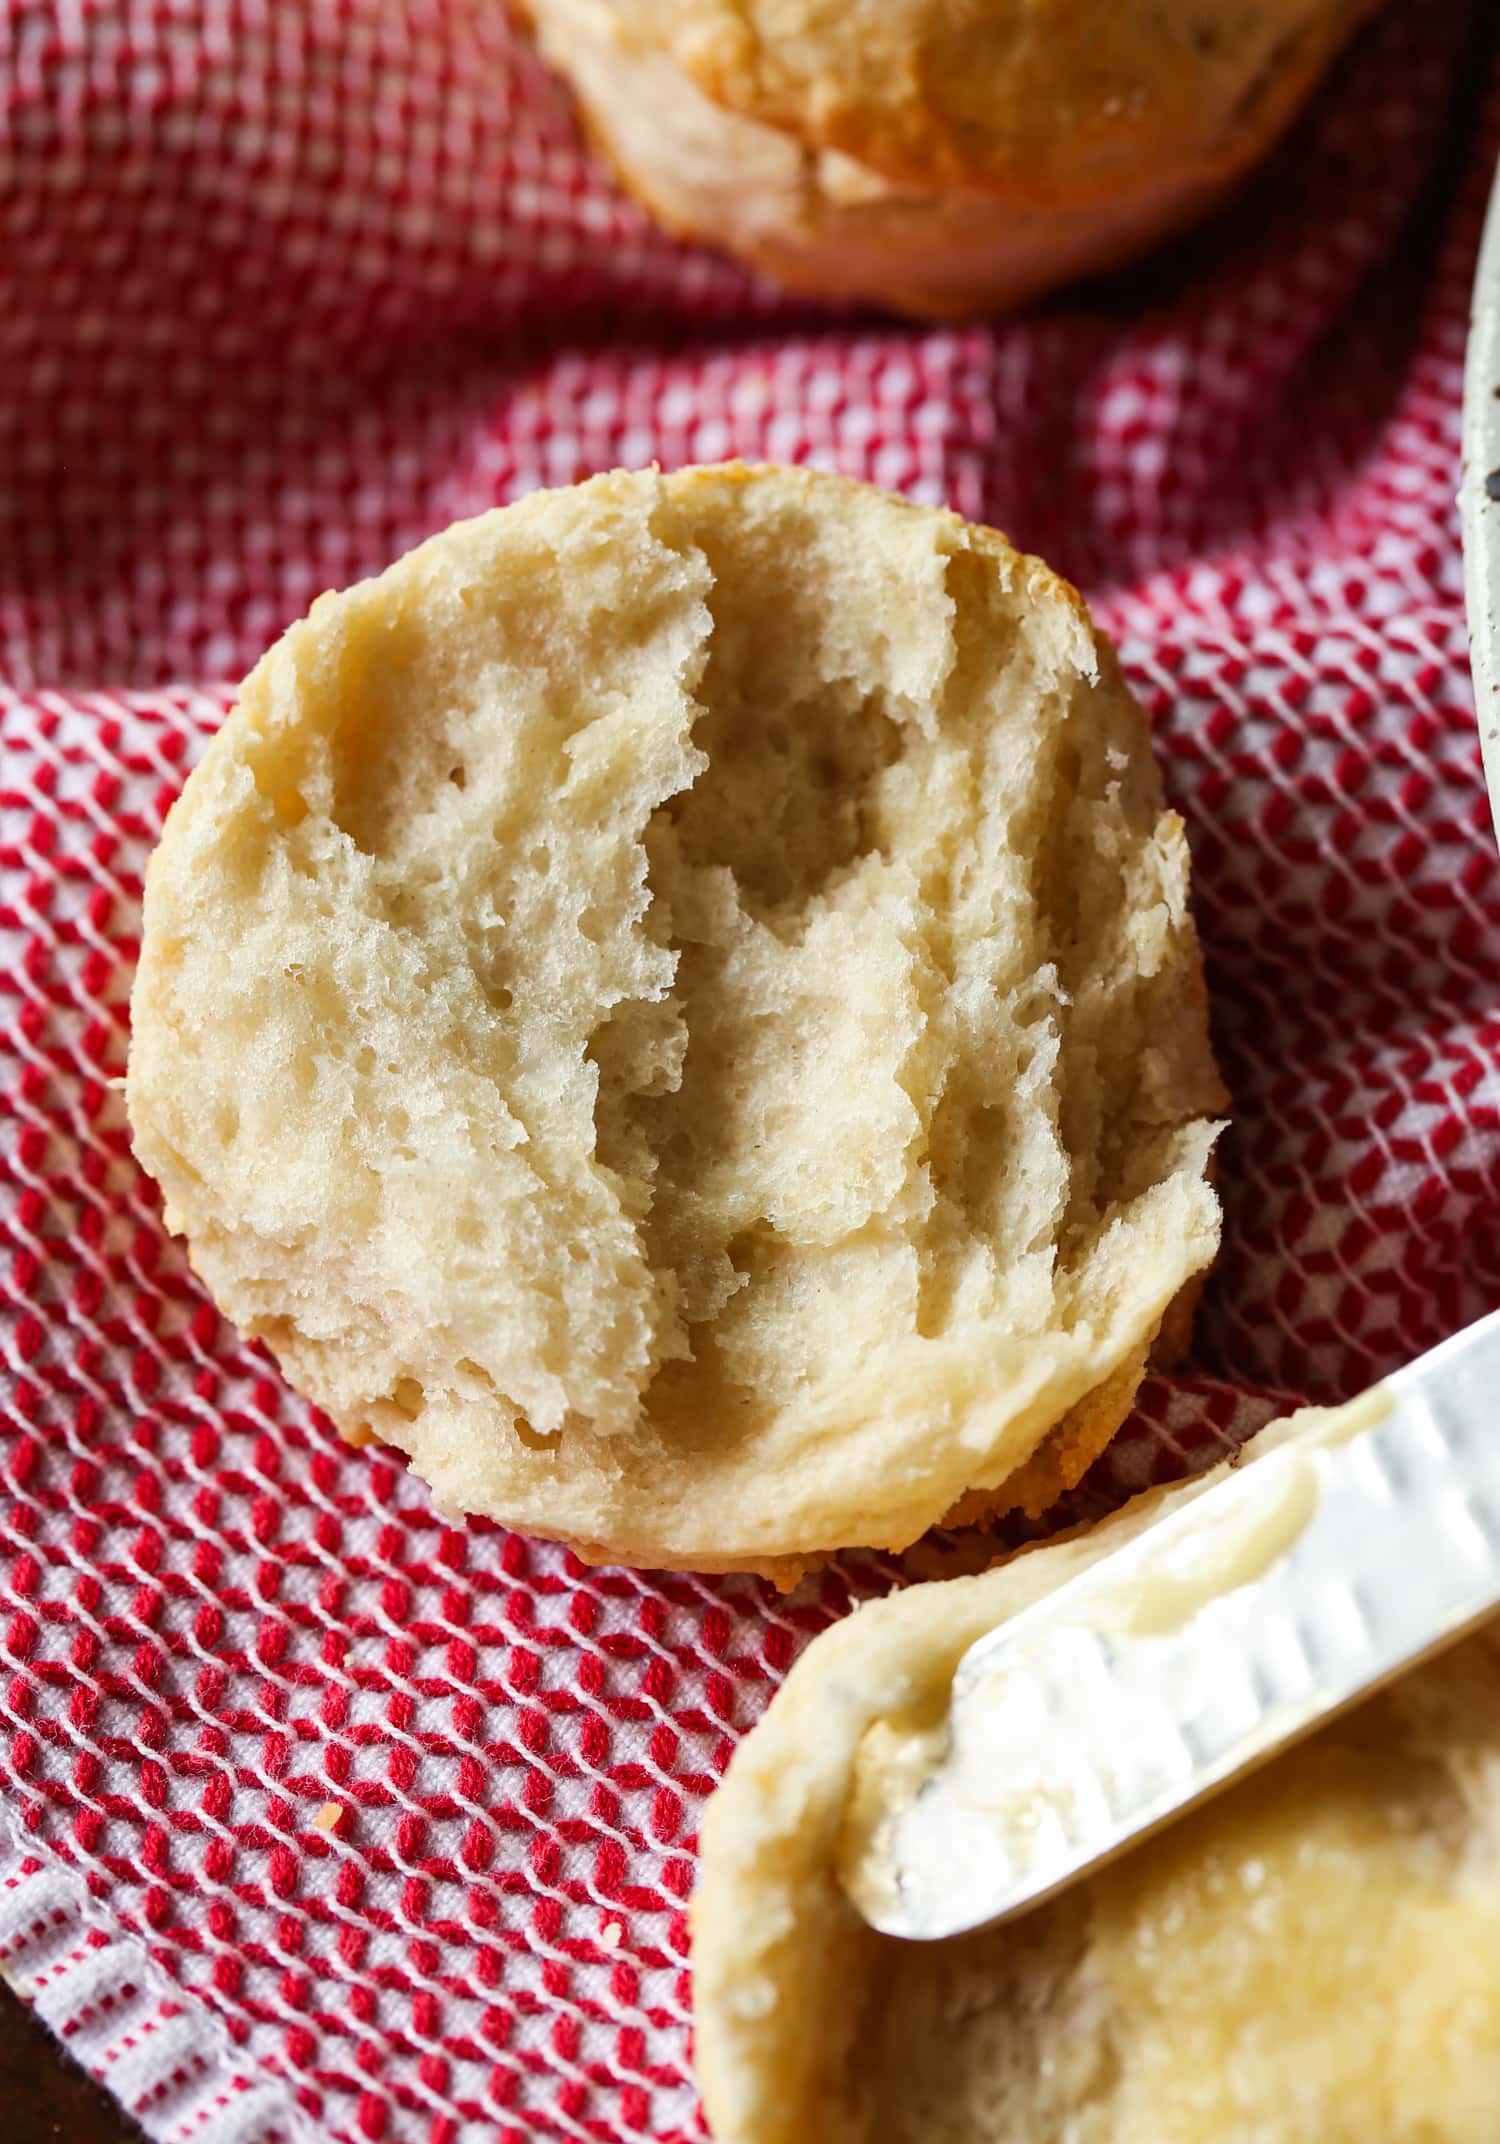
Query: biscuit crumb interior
[[652, 984]]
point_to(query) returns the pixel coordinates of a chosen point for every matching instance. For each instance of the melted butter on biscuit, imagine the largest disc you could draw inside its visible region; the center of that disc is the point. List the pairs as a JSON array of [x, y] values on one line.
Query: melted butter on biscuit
[[1303, 1959], [1313, 1958]]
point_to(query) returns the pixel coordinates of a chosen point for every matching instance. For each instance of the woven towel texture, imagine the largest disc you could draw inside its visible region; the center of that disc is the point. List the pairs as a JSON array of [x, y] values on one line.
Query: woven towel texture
[[329, 1820]]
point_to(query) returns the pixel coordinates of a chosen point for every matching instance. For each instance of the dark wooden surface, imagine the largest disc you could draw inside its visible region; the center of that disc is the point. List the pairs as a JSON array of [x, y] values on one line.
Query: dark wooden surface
[[44, 2097]]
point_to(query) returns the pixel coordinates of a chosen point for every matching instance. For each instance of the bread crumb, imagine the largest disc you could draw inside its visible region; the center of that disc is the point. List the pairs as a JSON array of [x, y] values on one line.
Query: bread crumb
[[612, 1935], [329, 1817]]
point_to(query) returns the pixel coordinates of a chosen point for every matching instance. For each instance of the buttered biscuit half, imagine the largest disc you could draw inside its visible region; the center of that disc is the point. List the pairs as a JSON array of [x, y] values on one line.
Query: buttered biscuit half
[[1311, 1958]]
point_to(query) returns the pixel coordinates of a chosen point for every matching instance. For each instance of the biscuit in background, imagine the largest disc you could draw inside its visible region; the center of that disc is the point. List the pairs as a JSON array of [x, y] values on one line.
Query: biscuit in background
[[941, 159]]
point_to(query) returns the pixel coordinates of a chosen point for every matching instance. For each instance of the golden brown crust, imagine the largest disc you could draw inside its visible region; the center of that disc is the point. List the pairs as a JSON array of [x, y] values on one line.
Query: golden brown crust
[[1174, 1336], [1060, 1462], [1057, 1465], [1046, 102], [938, 158]]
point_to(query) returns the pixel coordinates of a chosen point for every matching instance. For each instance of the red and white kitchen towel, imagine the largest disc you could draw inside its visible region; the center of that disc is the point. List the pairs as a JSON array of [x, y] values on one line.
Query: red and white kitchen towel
[[285, 285]]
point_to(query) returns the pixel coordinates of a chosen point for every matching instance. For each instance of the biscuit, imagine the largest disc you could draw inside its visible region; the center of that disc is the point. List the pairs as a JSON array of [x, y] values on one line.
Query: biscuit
[[1312, 1958], [676, 1006], [941, 160]]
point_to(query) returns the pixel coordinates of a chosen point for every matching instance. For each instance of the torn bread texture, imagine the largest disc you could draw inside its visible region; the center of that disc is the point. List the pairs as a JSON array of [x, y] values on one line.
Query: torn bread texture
[[676, 1005], [1312, 1958], [941, 160]]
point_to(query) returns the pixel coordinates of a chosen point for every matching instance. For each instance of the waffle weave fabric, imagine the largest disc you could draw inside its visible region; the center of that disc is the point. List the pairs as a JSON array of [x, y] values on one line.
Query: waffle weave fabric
[[329, 1820]]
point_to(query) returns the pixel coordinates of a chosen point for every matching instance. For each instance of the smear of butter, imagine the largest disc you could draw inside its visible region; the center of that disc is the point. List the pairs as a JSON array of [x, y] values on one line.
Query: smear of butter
[[1275, 1498], [1327, 1427], [1015, 1774], [1229, 1549]]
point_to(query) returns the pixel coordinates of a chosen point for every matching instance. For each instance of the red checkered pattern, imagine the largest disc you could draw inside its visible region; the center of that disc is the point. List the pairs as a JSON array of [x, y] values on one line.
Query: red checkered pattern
[[328, 1819]]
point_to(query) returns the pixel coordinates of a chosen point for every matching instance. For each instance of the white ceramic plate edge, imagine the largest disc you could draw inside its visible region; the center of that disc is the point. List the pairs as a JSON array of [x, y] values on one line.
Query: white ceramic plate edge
[[1479, 495]]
